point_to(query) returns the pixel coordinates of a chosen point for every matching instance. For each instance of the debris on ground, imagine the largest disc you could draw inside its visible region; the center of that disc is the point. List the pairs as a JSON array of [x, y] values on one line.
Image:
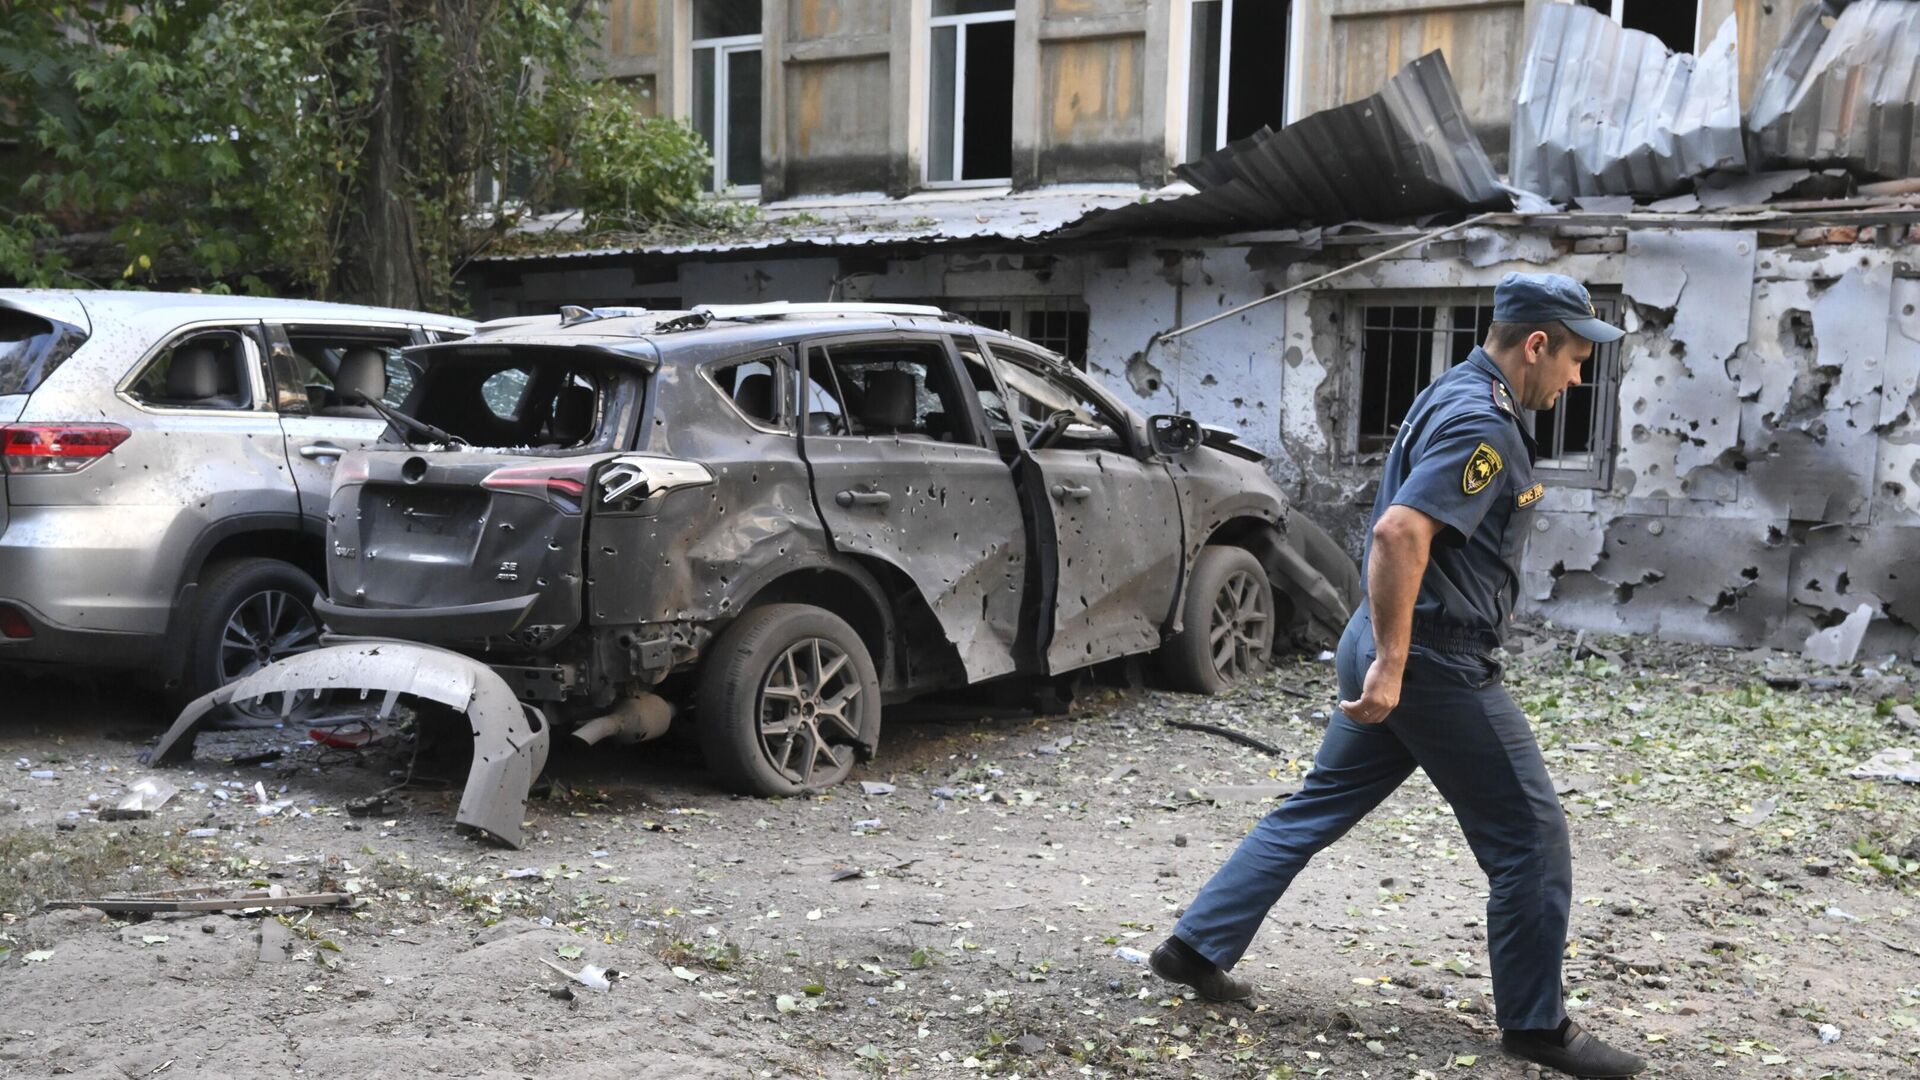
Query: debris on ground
[[1902, 764], [203, 900], [1839, 646]]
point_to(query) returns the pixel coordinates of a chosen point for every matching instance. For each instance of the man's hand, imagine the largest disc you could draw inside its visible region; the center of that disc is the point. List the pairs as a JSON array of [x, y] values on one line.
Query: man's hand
[[1380, 696]]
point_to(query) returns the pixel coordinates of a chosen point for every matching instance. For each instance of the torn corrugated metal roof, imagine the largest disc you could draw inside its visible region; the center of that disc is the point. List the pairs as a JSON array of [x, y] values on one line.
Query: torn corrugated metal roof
[[823, 224], [1843, 90], [1602, 110], [1403, 152]]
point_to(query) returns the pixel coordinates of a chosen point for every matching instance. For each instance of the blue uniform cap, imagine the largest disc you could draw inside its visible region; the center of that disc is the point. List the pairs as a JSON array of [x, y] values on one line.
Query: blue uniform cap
[[1538, 298]]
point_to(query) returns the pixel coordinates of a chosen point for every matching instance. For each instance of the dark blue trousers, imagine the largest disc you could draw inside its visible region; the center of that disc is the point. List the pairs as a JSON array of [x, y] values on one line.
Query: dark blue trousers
[[1457, 722]]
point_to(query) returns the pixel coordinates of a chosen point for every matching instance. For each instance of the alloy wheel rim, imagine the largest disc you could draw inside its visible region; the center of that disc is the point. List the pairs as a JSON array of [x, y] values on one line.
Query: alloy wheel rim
[[806, 725], [1236, 632], [269, 625]]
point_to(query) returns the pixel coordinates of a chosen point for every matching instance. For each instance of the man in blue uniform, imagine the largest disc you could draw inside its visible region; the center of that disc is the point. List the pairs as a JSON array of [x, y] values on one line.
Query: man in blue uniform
[[1420, 689]]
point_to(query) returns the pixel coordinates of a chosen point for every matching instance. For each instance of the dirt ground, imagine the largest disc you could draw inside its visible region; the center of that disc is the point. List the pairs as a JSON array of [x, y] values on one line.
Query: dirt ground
[[1742, 907]]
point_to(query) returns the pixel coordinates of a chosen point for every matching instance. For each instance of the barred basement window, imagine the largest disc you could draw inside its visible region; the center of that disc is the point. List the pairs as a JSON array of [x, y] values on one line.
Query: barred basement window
[[1404, 342], [1055, 323]]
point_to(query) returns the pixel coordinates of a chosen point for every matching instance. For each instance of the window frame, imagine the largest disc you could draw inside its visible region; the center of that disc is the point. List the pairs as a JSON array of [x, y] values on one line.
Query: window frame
[[1617, 11], [1292, 94], [960, 23], [1595, 473], [724, 50], [1048, 367], [819, 350], [282, 356], [1019, 310], [783, 382], [253, 343]]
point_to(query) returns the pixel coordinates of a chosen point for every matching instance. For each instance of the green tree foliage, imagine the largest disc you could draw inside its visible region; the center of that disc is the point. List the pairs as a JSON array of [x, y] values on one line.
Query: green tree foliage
[[330, 145]]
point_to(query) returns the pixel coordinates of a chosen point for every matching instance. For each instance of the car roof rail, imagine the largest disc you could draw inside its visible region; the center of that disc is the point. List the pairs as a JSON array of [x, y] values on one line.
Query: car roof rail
[[573, 314], [781, 309]]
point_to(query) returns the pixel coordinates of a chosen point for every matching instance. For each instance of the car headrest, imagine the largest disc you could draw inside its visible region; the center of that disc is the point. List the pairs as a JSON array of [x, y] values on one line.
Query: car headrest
[[362, 371], [194, 374], [754, 396], [572, 415], [889, 401]]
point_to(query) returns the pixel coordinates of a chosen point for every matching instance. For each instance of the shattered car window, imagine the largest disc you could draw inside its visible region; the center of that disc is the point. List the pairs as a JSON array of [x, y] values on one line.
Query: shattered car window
[[899, 388], [755, 388], [825, 416], [317, 354], [1039, 393], [503, 391], [504, 404]]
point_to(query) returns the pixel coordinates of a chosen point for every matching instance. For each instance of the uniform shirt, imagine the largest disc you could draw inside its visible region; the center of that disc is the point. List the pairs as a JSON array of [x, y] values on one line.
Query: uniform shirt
[[1464, 457]]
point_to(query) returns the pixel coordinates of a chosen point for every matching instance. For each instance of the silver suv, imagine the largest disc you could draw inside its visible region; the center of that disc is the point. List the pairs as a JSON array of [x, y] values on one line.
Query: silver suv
[[165, 466]]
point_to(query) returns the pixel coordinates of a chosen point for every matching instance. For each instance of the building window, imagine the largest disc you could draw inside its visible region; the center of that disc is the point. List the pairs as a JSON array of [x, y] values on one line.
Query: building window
[[726, 90], [1236, 71], [1405, 342], [1674, 22], [970, 95], [1055, 323]]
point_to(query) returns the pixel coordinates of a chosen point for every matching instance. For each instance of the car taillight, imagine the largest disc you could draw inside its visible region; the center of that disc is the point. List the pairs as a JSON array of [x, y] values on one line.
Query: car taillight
[[562, 485], [13, 624], [29, 449]]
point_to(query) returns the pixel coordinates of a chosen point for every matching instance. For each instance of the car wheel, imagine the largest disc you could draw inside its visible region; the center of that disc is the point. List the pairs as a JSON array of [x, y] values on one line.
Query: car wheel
[[788, 698], [250, 612], [1226, 622]]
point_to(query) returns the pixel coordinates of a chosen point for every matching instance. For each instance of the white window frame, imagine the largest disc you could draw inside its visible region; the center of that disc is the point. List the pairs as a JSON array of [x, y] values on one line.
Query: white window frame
[[961, 23], [724, 50], [1296, 59], [1617, 11]]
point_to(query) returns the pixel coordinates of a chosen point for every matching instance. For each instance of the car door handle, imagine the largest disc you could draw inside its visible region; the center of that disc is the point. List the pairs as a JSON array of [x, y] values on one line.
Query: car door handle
[[863, 498], [1071, 492], [320, 450]]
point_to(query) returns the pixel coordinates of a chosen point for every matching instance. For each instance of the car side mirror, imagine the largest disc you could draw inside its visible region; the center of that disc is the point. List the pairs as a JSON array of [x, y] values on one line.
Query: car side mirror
[[1173, 435]]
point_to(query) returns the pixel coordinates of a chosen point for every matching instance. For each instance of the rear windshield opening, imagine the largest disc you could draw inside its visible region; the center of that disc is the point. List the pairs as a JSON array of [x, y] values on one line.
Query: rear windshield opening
[[521, 406], [30, 348]]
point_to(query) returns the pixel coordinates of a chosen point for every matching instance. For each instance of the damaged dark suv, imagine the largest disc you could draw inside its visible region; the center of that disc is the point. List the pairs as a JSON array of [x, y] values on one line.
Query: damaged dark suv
[[777, 518]]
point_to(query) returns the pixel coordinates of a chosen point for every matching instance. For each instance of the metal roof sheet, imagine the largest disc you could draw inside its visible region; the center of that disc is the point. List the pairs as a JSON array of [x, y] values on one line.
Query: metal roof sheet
[[1843, 90], [1602, 110], [802, 225], [1406, 151]]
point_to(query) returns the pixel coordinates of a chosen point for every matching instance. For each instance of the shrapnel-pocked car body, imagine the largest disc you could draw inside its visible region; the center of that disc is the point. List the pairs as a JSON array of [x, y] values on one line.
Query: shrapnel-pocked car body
[[770, 520]]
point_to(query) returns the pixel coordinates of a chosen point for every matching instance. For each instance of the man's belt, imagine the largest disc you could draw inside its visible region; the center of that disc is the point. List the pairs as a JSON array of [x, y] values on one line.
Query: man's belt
[[1452, 638]]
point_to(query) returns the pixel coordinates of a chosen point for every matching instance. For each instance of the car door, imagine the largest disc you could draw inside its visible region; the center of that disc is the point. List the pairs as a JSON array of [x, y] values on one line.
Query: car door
[[903, 473], [318, 424], [1111, 559]]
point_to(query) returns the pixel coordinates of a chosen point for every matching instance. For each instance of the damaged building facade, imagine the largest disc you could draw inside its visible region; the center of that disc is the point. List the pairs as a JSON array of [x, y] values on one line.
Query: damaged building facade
[[1743, 468]]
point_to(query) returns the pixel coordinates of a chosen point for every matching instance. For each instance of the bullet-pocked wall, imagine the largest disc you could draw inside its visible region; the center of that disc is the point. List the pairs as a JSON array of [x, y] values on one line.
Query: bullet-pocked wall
[[1760, 477]]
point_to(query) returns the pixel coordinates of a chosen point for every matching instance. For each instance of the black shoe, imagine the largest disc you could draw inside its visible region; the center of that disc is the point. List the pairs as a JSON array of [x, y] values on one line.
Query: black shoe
[[1572, 1051], [1176, 961]]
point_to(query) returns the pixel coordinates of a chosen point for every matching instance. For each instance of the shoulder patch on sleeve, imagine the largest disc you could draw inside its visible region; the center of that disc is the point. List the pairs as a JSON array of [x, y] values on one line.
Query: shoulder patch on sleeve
[[1530, 496], [1482, 467]]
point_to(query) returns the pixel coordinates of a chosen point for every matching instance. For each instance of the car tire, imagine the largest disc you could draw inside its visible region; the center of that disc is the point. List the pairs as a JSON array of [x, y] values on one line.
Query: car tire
[[760, 699], [1226, 623], [265, 600]]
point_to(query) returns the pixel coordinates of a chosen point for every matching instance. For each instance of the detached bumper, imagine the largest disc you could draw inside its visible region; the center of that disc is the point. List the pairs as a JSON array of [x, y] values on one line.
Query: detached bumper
[[509, 739]]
